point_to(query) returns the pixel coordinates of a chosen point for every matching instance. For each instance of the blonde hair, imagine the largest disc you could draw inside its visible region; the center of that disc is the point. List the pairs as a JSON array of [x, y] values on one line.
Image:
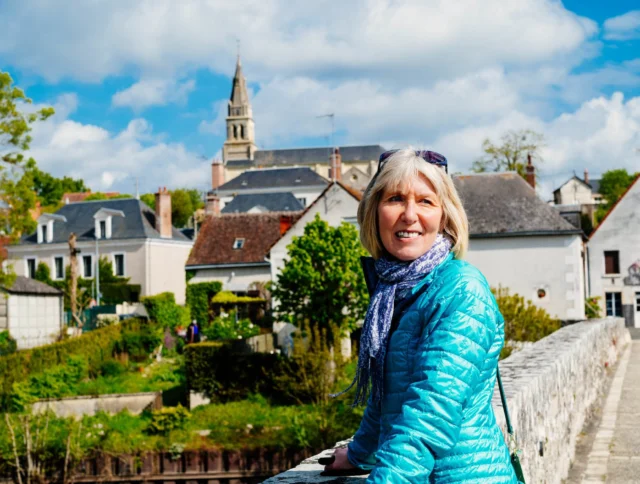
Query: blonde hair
[[402, 166]]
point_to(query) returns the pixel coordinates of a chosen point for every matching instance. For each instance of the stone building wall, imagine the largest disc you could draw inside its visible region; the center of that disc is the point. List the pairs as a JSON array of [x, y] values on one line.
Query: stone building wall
[[551, 388]]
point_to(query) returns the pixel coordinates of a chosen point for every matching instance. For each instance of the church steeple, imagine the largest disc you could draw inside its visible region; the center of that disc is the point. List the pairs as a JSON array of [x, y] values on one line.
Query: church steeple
[[240, 143]]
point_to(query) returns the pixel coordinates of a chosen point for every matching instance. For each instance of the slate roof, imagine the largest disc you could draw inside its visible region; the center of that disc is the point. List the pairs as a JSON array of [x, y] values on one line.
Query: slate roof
[[500, 204], [595, 184], [138, 222], [26, 285], [274, 178], [270, 202], [309, 156], [260, 231]]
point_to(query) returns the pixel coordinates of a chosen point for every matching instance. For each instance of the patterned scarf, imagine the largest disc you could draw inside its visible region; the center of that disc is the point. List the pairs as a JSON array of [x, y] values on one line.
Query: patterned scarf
[[394, 277]]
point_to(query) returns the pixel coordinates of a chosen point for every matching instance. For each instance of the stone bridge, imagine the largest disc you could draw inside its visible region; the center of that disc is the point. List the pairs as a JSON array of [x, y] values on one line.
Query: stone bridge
[[555, 389]]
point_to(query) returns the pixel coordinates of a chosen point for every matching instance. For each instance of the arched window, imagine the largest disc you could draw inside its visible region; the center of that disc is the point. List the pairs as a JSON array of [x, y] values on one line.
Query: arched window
[[235, 132]]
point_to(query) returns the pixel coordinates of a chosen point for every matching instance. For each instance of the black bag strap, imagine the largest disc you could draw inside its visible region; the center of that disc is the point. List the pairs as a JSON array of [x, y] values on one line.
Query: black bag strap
[[504, 402]]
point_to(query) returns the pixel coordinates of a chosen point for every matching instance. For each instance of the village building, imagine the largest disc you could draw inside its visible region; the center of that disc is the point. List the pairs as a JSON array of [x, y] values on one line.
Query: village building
[[613, 252], [142, 244], [31, 311], [577, 200]]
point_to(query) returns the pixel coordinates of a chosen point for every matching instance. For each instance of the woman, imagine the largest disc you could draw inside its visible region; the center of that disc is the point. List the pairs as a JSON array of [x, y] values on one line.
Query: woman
[[431, 338]]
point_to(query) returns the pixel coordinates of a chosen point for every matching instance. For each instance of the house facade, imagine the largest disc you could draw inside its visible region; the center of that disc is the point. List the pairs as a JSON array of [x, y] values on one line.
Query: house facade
[[578, 197], [522, 244], [141, 244], [614, 259]]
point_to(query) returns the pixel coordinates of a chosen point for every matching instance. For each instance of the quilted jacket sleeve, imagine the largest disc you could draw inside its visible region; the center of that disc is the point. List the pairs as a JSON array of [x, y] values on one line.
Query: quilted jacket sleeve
[[361, 450], [451, 353]]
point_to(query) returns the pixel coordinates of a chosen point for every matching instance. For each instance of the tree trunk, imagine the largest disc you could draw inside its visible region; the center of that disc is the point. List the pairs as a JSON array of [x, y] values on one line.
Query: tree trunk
[[73, 290]]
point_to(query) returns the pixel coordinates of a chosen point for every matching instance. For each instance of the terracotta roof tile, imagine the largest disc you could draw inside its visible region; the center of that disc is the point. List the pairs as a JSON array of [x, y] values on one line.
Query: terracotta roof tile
[[215, 241]]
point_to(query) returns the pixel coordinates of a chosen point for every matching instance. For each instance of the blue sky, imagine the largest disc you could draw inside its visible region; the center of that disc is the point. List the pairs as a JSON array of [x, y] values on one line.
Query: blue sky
[[140, 87]]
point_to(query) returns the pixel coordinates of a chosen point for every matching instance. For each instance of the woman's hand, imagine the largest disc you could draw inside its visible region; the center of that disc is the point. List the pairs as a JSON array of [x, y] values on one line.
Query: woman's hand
[[340, 461]]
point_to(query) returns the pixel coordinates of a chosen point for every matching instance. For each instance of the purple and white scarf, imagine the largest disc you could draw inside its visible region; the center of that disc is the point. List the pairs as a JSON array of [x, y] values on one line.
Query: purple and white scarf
[[393, 276]]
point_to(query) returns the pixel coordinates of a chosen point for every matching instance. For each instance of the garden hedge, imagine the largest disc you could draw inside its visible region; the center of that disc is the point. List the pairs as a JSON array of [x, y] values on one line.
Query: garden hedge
[[96, 347], [223, 373], [162, 308], [198, 297], [117, 293]]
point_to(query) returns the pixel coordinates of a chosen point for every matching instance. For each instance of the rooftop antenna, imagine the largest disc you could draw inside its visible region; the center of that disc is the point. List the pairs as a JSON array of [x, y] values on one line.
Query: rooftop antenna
[[331, 116]]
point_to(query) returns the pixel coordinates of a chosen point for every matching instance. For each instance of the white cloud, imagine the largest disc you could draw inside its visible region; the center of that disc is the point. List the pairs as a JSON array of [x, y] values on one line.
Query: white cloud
[[361, 38], [153, 92], [623, 27], [112, 161]]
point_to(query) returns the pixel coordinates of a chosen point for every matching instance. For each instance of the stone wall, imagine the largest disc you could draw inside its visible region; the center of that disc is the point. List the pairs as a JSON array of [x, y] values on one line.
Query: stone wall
[[78, 406], [551, 388]]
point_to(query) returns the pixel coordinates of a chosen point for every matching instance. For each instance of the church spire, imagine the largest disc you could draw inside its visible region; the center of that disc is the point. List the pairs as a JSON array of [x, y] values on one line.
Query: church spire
[[240, 143]]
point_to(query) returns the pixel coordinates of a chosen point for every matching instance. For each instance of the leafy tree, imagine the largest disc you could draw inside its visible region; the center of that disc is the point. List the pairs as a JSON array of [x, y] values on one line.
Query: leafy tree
[[321, 284], [104, 196], [42, 274], [149, 199], [511, 154], [50, 189], [613, 184], [181, 207], [107, 274]]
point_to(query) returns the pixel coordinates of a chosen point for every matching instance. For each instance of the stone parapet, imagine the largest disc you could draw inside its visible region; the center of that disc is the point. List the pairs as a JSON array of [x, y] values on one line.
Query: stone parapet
[[551, 388]]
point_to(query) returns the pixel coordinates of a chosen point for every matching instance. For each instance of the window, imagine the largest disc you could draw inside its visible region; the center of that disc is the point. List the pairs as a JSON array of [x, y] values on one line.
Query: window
[[118, 264], [58, 267], [303, 201], [87, 266], [638, 302], [103, 229], [611, 262], [238, 243], [44, 234], [31, 267], [614, 303]]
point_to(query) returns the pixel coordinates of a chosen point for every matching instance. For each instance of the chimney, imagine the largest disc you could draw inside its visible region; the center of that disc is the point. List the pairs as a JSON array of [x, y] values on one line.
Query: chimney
[[336, 165], [163, 213], [286, 222], [217, 174], [213, 205], [530, 173], [586, 176]]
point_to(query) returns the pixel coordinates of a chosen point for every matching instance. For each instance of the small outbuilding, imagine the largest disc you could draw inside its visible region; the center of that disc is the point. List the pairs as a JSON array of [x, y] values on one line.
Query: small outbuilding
[[31, 311]]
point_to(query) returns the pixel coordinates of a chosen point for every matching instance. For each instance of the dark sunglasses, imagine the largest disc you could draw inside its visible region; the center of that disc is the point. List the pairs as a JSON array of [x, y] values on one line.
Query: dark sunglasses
[[428, 156]]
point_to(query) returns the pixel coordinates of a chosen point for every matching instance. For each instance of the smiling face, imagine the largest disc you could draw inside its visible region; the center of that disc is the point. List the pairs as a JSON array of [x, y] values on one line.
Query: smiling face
[[409, 219]]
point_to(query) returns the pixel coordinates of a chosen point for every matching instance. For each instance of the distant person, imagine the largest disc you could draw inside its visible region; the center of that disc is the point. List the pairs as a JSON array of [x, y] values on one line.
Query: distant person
[[193, 333], [431, 337]]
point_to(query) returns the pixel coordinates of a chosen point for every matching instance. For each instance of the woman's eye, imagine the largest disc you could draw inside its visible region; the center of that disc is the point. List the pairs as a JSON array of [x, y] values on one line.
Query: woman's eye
[[427, 201], [395, 198]]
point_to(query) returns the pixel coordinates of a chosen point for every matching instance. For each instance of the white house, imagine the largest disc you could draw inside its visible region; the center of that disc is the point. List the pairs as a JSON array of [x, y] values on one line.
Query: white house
[[31, 311], [141, 244], [614, 258], [521, 243]]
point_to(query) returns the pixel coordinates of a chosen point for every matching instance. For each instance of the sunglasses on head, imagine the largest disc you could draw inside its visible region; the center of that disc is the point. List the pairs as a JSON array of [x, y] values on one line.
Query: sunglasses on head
[[428, 156]]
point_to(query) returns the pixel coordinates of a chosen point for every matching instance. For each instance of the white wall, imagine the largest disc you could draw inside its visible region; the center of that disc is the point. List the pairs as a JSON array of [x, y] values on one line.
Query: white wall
[[233, 278], [165, 269], [619, 231], [34, 320], [334, 207], [574, 192], [525, 264]]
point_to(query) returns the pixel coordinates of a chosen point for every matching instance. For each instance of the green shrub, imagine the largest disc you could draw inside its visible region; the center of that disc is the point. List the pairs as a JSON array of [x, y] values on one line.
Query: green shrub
[[207, 367], [167, 419], [225, 327], [592, 307], [8, 345], [43, 273], [523, 320], [117, 293], [140, 342], [112, 368], [95, 347], [162, 308], [198, 297]]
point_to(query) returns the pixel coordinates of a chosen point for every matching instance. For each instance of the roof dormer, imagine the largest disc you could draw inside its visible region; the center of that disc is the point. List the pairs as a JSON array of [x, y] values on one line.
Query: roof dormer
[[103, 222], [45, 226]]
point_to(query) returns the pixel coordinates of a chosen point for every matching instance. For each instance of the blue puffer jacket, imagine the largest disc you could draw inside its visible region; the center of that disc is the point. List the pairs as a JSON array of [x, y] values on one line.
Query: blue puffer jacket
[[435, 423]]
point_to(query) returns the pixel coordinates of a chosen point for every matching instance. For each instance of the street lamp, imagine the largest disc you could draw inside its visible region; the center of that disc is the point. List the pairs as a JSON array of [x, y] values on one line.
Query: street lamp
[[103, 231]]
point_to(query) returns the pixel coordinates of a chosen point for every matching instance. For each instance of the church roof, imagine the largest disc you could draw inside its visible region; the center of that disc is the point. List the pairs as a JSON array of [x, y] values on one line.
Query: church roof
[[274, 178], [308, 156], [239, 95]]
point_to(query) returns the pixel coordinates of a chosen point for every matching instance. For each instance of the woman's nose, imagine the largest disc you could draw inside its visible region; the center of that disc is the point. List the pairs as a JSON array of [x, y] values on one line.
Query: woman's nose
[[409, 215]]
